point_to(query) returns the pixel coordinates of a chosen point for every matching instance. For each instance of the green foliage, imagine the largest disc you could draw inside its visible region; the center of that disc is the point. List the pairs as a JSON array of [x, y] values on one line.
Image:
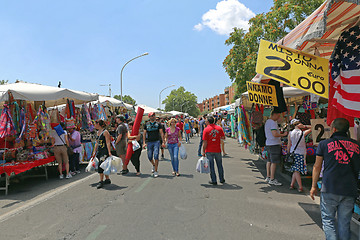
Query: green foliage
[[182, 101], [126, 99], [283, 16], [2, 82]]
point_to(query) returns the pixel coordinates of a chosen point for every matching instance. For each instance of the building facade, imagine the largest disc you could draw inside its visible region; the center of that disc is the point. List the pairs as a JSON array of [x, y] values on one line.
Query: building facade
[[220, 100]]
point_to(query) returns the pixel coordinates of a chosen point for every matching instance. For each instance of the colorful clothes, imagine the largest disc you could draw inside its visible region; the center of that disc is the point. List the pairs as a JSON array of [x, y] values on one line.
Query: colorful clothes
[[299, 164]]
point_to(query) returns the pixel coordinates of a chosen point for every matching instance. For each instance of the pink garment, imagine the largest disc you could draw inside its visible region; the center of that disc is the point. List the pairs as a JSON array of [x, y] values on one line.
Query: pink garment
[[173, 137], [77, 141]]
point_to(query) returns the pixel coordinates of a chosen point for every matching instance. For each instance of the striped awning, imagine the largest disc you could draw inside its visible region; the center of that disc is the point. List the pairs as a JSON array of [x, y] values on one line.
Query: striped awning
[[319, 32]]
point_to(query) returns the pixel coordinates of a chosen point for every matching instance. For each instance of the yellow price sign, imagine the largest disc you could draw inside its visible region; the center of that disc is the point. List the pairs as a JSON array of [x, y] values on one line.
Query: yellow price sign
[[294, 68], [262, 93]]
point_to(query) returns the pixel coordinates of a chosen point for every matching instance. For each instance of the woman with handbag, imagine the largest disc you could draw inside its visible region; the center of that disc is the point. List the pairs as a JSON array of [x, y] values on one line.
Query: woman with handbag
[[187, 130], [297, 150], [173, 140], [135, 157]]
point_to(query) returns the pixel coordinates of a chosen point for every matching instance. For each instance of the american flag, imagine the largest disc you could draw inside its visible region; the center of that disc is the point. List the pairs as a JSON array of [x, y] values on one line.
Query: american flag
[[345, 76]]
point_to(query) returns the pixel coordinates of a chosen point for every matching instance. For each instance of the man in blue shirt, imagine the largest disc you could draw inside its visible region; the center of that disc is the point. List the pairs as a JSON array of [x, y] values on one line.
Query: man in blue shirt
[[341, 157]]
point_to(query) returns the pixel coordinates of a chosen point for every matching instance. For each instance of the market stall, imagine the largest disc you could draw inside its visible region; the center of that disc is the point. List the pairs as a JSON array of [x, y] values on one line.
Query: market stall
[[26, 124]]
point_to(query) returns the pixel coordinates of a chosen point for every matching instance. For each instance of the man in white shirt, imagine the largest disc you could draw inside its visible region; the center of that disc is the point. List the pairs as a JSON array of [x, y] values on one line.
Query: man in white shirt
[[273, 147]]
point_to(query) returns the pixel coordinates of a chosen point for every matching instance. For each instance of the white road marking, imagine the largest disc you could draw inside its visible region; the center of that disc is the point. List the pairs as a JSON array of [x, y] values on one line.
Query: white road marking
[[42, 198]]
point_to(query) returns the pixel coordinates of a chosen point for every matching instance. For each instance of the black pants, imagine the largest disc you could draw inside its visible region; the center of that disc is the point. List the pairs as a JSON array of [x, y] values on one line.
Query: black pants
[[74, 162], [135, 159]]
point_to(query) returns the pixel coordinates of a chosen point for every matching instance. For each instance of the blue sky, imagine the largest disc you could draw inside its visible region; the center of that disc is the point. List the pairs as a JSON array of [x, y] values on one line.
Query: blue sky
[[84, 44]]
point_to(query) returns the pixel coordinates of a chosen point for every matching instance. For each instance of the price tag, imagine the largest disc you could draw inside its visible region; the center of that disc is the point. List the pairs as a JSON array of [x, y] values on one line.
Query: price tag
[[320, 130], [294, 68]]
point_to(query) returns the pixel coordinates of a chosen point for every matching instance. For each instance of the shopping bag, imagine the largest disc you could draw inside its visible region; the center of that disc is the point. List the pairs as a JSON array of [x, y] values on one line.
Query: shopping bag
[[135, 145], [108, 167], [202, 165], [183, 154], [116, 162], [193, 131], [93, 165]]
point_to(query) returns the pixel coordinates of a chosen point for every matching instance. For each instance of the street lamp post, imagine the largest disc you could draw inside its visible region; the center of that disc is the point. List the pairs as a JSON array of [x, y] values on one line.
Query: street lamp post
[[121, 94], [160, 94]]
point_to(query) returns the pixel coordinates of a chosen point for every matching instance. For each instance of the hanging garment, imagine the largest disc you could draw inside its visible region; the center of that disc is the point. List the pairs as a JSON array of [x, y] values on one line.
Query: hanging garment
[[6, 123], [344, 77]]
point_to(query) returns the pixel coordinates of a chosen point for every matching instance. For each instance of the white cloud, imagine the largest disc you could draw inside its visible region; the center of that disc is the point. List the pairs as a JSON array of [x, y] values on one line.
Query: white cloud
[[227, 15]]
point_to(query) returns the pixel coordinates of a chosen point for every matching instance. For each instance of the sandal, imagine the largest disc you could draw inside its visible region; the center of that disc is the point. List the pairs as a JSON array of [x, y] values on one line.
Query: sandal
[[301, 190], [173, 173], [291, 187], [177, 174]]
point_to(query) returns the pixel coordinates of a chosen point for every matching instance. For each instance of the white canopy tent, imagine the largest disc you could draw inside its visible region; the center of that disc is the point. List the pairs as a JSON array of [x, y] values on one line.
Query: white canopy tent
[[37, 92], [177, 113]]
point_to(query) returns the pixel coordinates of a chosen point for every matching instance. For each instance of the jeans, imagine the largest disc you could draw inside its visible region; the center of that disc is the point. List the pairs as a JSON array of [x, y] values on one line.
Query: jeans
[[218, 159], [187, 137], [330, 204], [153, 150], [74, 162], [174, 154], [200, 145]]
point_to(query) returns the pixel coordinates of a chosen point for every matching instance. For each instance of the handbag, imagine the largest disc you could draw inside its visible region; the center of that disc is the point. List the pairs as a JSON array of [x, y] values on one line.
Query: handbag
[[290, 158]]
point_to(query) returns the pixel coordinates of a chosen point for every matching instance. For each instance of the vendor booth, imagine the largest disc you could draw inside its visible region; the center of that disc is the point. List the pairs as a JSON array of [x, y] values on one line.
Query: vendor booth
[[315, 68], [26, 124]]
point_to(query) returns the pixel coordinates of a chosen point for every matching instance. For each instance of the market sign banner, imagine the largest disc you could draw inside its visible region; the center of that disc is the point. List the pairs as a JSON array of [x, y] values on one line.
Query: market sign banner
[[262, 93], [294, 68], [320, 130]]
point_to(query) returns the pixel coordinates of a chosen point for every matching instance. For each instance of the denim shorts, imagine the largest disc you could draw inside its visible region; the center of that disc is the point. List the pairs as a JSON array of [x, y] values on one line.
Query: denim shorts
[[153, 150], [274, 152]]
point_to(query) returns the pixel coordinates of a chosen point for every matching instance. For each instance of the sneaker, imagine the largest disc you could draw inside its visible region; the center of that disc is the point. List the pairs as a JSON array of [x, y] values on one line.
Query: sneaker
[[126, 171], [68, 176], [275, 182], [107, 181], [153, 169], [61, 176], [267, 179], [222, 181], [100, 185], [213, 183], [78, 172], [199, 155], [156, 174], [72, 173]]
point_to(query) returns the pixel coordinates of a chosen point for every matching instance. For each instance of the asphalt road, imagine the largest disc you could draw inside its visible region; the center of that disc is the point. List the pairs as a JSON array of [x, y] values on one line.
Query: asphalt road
[[168, 207]]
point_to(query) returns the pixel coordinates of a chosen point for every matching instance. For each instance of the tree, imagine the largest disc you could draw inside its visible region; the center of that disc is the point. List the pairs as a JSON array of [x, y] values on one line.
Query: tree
[[182, 101], [283, 16], [2, 82], [126, 99]]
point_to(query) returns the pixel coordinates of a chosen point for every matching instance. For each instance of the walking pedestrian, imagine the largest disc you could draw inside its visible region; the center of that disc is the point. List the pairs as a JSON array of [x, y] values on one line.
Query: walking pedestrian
[[173, 140], [339, 155], [60, 141], [74, 138], [135, 157], [187, 130], [212, 136], [273, 147], [297, 145], [219, 122], [162, 124], [121, 143], [180, 125], [202, 126], [153, 133], [196, 127], [102, 150]]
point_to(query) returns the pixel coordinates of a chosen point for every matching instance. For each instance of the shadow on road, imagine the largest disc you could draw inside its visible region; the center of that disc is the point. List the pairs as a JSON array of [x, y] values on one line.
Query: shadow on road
[[113, 187], [225, 186], [143, 175], [313, 210]]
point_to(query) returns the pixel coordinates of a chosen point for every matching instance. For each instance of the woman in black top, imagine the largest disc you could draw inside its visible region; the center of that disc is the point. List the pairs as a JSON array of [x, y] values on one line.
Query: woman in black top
[[102, 150]]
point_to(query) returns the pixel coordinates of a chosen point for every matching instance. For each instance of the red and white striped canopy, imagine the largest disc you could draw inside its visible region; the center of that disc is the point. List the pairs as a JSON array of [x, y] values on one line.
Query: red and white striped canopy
[[319, 32]]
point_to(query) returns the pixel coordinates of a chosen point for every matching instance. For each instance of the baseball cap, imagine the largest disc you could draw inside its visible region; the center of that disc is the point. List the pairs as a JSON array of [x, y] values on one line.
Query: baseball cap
[[293, 121], [151, 114]]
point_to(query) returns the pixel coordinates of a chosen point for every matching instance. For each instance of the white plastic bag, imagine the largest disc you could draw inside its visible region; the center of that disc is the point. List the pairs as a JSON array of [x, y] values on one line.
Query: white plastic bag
[[135, 145], [116, 162], [194, 131], [183, 154], [202, 165], [93, 165], [107, 166]]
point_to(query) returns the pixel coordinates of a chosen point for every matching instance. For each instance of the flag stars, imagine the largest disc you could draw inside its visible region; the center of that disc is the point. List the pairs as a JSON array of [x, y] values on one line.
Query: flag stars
[[356, 47], [346, 66], [349, 44], [353, 58], [352, 33], [337, 56], [346, 54]]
